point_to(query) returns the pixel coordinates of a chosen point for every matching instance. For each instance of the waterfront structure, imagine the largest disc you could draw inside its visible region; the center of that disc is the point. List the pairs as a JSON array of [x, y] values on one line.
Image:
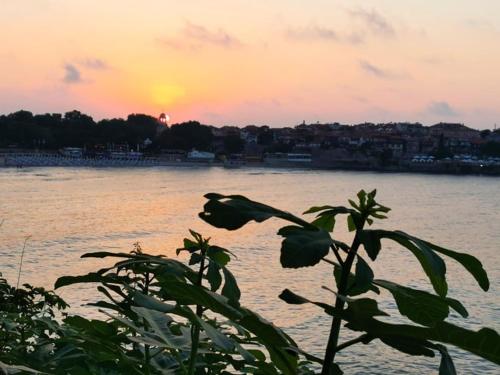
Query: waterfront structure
[[202, 156]]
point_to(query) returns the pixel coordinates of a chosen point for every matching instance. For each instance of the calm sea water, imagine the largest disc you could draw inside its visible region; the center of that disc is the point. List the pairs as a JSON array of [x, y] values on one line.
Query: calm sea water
[[70, 211]]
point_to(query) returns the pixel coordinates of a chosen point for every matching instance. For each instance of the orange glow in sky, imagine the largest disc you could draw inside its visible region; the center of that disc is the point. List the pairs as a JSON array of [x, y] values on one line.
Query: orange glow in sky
[[234, 62]]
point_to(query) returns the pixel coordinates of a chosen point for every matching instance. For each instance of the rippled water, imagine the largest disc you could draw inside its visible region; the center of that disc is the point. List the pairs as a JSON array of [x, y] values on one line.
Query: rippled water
[[70, 211]]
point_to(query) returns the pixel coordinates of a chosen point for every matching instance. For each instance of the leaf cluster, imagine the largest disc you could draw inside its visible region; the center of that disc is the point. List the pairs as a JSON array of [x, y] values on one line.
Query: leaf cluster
[[307, 243]]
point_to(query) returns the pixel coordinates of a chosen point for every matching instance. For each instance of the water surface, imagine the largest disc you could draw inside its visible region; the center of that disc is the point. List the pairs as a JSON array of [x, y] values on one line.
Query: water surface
[[71, 211]]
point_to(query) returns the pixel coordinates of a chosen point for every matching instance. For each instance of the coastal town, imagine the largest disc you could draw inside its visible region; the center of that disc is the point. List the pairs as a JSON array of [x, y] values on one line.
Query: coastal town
[[74, 139]]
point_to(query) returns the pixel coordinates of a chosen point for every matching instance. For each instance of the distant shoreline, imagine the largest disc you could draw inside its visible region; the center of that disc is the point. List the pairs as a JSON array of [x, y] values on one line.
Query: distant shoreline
[[33, 160]]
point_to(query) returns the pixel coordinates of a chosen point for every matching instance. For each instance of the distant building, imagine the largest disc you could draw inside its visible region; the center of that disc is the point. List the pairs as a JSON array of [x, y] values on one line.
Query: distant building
[[162, 123], [72, 152], [204, 156]]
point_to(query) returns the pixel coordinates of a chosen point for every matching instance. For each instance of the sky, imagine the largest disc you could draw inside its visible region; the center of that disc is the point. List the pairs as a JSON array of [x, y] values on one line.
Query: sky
[[240, 62]]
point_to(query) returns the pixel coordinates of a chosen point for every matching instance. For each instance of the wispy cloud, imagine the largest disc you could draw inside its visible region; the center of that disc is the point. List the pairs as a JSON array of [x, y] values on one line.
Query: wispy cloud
[[379, 72], [95, 64], [315, 32], [71, 74], [193, 36], [480, 24], [374, 21], [441, 108]]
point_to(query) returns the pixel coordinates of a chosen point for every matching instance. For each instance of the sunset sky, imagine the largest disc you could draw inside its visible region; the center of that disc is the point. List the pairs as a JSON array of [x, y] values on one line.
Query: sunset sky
[[236, 62]]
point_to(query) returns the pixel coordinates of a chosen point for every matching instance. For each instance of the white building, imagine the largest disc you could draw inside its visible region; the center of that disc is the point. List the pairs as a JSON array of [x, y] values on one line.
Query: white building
[[196, 155]]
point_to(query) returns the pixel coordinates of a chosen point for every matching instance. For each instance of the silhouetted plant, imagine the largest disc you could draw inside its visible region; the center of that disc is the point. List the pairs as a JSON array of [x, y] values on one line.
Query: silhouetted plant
[[165, 316], [307, 243], [27, 324], [184, 320]]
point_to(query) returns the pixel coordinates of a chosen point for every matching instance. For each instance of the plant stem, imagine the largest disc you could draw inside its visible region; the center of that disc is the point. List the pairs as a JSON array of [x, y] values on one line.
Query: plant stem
[[147, 355], [21, 262], [337, 255], [333, 338], [195, 330]]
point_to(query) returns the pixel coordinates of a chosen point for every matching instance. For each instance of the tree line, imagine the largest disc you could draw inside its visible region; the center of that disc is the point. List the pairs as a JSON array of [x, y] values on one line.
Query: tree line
[[23, 129]]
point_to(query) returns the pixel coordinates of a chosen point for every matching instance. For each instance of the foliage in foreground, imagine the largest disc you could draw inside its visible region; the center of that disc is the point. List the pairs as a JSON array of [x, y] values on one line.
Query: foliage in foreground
[[162, 316], [305, 244]]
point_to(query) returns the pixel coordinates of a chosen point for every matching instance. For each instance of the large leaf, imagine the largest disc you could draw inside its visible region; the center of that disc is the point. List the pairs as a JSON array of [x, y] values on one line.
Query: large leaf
[[363, 278], [484, 343], [425, 252], [432, 264], [352, 290], [13, 369], [326, 222], [213, 276], [159, 323], [230, 288], [93, 277], [446, 367], [218, 255], [146, 301], [420, 306], [371, 242], [470, 263], [219, 339], [360, 317], [303, 247], [408, 346], [330, 210], [233, 211], [326, 217], [363, 307], [275, 340]]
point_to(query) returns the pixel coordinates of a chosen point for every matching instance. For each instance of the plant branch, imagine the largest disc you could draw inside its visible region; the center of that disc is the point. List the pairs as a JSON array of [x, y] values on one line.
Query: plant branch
[[195, 331], [339, 302], [337, 255], [329, 262]]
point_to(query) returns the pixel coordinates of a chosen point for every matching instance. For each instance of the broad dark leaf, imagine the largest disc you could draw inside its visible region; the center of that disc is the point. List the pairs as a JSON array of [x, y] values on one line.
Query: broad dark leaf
[[159, 323], [408, 345], [351, 291], [326, 217], [351, 225], [195, 259], [363, 308], [219, 255], [213, 276], [14, 369], [230, 288], [190, 245], [152, 303], [469, 262], [294, 299], [326, 222], [371, 242], [291, 298], [363, 278], [303, 247], [484, 343], [233, 211], [93, 277], [420, 306], [276, 341], [446, 367], [332, 210], [219, 339], [432, 264]]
